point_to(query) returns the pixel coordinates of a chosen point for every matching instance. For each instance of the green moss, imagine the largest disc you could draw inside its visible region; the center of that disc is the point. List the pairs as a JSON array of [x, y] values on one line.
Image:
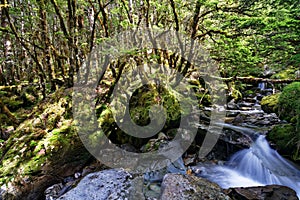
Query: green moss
[[147, 96], [288, 73], [33, 143], [289, 104], [286, 140], [44, 142], [12, 102], [270, 103]]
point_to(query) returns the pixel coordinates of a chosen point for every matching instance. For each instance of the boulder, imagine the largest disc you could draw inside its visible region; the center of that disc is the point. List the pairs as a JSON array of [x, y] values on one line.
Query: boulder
[[176, 186], [269, 104], [107, 184], [268, 192]]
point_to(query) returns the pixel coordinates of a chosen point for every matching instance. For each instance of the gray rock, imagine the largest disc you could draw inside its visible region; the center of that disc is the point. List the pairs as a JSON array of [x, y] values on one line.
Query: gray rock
[[107, 184], [268, 192], [176, 186], [53, 191], [232, 105]]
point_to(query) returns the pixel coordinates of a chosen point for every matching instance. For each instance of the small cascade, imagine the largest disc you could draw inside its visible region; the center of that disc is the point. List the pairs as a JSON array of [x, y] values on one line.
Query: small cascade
[[257, 166], [262, 86], [253, 135]]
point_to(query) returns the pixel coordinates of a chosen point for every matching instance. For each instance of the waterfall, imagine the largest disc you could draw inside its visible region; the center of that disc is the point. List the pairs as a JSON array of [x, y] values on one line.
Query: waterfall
[[257, 166], [262, 86]]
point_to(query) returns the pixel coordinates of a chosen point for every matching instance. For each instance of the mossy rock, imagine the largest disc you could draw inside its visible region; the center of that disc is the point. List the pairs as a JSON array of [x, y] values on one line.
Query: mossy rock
[[43, 150], [139, 109], [288, 73], [270, 103], [287, 137], [284, 136], [150, 95], [289, 103]]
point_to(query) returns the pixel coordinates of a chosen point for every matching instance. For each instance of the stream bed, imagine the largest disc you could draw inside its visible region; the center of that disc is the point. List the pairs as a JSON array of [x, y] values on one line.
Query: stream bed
[[258, 165]]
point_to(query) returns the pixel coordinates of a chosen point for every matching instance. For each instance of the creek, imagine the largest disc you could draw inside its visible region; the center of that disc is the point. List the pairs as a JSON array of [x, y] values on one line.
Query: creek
[[258, 165]]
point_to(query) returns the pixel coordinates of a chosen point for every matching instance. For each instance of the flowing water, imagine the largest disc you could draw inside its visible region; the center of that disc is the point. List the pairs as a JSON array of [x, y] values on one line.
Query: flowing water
[[257, 166], [262, 86]]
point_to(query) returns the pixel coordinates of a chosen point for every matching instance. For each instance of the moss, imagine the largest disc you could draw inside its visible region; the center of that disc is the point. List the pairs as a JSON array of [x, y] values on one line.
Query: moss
[[13, 103], [5, 121], [150, 95], [139, 109], [288, 73], [249, 92], [287, 105], [270, 103], [46, 141], [285, 138], [289, 102]]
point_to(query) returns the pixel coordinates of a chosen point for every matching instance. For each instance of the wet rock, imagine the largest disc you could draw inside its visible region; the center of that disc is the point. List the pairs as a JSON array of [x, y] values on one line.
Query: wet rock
[[245, 105], [107, 184], [229, 119], [157, 176], [269, 192], [263, 122], [176, 186], [232, 113], [259, 97], [239, 119], [53, 192], [232, 105]]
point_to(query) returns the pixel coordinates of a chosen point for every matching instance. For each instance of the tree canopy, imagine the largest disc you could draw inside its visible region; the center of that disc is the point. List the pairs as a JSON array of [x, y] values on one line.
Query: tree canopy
[[46, 42]]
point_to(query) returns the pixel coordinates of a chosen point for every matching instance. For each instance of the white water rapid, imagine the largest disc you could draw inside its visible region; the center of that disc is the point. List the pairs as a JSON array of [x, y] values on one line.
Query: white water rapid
[[257, 166]]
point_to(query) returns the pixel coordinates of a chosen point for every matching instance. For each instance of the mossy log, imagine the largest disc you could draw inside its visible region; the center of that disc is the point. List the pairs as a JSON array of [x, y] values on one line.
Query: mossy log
[[7, 112], [258, 80], [268, 80]]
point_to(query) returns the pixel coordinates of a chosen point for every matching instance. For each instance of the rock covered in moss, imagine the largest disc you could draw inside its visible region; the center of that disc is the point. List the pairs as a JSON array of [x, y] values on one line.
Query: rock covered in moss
[[269, 104], [284, 136], [289, 103], [287, 136]]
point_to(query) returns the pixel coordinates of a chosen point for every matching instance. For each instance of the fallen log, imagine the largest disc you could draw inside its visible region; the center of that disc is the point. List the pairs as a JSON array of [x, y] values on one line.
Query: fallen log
[[254, 79], [7, 112], [267, 80]]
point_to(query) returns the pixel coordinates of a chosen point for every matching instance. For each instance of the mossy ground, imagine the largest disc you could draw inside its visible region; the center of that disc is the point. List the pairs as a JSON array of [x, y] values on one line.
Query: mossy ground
[[288, 73], [45, 143]]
